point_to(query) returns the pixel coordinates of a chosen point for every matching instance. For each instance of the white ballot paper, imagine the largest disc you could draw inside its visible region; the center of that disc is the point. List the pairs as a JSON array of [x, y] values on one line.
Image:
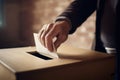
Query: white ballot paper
[[42, 50]]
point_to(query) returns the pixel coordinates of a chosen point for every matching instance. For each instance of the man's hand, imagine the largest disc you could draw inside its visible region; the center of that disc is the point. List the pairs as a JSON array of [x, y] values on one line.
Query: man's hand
[[59, 29]]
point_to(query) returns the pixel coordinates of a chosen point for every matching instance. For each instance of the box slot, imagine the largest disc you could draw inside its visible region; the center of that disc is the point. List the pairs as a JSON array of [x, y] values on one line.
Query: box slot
[[35, 53]]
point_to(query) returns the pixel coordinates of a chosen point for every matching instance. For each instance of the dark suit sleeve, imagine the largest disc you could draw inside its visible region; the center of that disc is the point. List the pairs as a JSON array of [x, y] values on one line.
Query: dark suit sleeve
[[78, 11]]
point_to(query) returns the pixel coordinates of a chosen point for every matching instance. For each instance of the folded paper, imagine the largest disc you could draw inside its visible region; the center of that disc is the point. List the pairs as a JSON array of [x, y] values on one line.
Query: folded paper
[[42, 50]]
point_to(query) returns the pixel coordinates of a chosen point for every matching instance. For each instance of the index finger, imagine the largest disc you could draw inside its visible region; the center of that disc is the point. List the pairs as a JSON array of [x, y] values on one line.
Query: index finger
[[49, 39]]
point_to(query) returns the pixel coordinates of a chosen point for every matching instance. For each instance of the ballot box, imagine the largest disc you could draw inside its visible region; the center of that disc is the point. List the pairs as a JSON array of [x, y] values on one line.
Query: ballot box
[[73, 64]]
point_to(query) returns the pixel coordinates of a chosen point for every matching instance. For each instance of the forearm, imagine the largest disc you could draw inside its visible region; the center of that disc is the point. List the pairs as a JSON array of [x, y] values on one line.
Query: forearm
[[77, 12]]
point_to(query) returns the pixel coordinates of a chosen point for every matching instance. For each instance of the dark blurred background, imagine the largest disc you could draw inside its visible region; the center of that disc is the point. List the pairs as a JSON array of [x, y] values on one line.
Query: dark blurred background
[[19, 19]]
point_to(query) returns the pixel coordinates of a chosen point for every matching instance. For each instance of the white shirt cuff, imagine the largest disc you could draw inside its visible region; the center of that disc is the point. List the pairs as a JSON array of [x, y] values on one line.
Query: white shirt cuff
[[110, 50]]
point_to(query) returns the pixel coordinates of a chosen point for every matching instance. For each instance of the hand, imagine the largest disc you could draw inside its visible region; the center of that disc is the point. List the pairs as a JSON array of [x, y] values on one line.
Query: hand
[[59, 29]]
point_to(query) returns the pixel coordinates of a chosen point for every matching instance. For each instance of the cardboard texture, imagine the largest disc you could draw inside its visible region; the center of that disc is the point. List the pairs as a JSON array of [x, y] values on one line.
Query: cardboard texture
[[72, 64]]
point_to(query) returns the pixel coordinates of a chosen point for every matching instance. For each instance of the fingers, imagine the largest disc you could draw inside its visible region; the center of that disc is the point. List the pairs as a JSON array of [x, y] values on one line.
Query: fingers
[[45, 29], [49, 43], [42, 31], [50, 31], [55, 32]]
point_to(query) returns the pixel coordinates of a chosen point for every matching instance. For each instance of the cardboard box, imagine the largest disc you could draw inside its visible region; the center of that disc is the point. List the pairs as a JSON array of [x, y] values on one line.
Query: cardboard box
[[74, 64]]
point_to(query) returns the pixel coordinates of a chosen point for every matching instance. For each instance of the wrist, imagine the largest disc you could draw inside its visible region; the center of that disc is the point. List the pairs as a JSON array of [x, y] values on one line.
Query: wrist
[[65, 26], [65, 20]]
